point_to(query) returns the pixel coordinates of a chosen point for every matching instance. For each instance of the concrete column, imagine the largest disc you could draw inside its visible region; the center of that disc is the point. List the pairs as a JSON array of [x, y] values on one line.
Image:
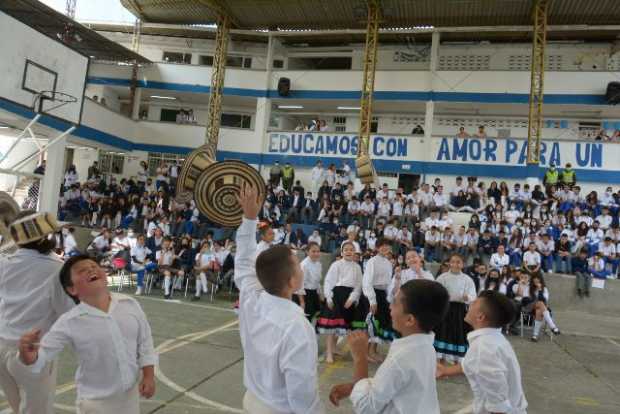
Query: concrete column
[[135, 111], [54, 175], [263, 104], [429, 117]]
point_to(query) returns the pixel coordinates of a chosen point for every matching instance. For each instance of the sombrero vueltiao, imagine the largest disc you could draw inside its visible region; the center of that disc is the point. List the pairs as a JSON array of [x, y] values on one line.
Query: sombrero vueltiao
[[32, 228]]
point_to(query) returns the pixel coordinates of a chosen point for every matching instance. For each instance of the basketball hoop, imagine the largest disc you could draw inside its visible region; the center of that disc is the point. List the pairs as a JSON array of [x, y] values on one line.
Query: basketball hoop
[[60, 98]]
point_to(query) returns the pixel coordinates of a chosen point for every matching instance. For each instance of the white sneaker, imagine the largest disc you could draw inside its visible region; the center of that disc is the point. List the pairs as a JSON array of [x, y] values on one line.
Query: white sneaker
[[139, 291]]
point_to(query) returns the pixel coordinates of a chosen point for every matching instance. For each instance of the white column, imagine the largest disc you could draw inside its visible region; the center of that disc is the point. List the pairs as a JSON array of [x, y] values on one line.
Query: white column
[[263, 105], [137, 99], [54, 175], [429, 117]]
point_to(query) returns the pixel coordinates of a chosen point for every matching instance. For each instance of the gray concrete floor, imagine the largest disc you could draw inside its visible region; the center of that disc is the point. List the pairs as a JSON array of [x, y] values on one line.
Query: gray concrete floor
[[201, 364]]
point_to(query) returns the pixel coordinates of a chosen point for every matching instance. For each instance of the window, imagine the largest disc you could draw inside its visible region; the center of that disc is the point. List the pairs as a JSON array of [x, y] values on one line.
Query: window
[[205, 60], [239, 62], [236, 121], [340, 123], [175, 57], [278, 63], [156, 159], [169, 115], [234, 61], [111, 162]]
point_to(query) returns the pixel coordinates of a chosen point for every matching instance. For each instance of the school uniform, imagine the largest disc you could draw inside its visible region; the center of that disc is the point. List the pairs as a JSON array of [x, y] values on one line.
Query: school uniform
[[30, 296], [313, 273], [405, 381], [494, 374], [405, 276], [279, 344], [111, 348], [450, 335], [375, 284], [343, 282]]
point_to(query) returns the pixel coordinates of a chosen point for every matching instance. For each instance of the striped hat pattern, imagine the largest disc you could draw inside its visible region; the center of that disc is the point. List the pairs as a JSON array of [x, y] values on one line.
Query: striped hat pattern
[[32, 228]]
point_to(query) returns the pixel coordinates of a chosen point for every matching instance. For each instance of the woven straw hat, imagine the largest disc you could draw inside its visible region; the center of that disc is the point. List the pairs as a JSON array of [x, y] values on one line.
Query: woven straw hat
[[32, 228]]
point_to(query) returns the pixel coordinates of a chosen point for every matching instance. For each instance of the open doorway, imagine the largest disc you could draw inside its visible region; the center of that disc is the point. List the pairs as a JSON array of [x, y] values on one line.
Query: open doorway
[[408, 182]]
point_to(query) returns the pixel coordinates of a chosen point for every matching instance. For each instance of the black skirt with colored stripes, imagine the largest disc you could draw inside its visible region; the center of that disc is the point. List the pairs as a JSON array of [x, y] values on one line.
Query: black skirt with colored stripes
[[451, 336], [339, 320], [312, 303], [380, 325]]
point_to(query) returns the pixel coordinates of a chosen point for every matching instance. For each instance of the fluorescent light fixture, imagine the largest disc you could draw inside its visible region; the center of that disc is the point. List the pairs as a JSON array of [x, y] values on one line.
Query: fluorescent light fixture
[[349, 108], [290, 107], [172, 98], [4, 127]]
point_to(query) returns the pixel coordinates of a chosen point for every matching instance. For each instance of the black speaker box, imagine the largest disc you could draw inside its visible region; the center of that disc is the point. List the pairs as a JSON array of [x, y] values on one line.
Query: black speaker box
[[284, 86]]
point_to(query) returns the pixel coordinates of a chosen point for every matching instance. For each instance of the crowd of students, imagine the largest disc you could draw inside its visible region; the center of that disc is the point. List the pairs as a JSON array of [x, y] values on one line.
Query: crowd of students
[[384, 239]]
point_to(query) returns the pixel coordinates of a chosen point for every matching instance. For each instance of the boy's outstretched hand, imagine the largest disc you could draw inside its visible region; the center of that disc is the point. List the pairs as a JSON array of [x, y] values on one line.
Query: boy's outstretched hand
[[29, 347], [340, 392], [249, 201]]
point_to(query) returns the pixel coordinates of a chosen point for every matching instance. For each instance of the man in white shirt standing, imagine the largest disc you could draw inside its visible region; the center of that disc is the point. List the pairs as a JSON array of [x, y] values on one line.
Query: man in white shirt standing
[[490, 365], [279, 344], [317, 176], [30, 295]]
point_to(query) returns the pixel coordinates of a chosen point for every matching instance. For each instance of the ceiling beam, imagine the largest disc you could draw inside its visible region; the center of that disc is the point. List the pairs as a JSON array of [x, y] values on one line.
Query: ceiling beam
[[219, 7]]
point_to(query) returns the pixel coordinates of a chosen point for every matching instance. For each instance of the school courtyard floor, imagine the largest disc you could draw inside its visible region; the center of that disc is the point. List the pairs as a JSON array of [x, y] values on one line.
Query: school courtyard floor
[[201, 364]]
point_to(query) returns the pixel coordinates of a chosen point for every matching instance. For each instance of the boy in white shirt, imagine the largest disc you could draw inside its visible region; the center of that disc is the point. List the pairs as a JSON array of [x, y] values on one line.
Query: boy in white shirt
[[499, 259], [490, 365], [109, 325], [405, 382], [279, 344], [531, 259]]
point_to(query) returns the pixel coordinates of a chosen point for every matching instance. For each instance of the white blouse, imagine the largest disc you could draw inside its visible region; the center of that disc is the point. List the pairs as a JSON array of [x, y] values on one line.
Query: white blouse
[[343, 273], [458, 285]]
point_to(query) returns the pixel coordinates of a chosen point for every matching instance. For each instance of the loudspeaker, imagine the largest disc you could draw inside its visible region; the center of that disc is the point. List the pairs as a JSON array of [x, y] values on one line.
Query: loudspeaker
[[613, 93], [284, 86]]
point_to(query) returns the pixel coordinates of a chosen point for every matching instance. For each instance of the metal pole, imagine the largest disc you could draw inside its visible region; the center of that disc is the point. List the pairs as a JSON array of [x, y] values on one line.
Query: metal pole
[[217, 88], [366, 171], [535, 116], [45, 147], [20, 136]]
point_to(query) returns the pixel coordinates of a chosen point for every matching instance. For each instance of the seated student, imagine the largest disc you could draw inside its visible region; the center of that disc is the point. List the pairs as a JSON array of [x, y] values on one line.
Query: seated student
[[490, 365], [531, 259], [405, 381], [597, 266], [583, 278], [206, 267], [140, 262], [109, 325], [534, 297], [166, 259], [279, 344]]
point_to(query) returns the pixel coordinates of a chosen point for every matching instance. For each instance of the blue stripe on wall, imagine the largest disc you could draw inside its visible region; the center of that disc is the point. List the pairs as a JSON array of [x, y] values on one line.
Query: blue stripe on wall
[[480, 97], [388, 166]]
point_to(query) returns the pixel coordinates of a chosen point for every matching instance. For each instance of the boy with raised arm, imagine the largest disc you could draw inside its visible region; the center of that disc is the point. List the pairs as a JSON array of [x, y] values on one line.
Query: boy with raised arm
[[279, 344]]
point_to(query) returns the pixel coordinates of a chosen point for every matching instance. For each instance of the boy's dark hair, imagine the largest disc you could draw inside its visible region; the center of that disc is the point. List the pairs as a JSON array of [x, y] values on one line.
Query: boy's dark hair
[[498, 308], [43, 246], [274, 268], [382, 241], [65, 273], [427, 301], [311, 245]]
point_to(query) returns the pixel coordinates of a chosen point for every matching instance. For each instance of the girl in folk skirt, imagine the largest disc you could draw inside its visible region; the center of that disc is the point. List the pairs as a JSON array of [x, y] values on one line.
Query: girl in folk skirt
[[342, 290], [376, 280], [310, 296], [451, 336]]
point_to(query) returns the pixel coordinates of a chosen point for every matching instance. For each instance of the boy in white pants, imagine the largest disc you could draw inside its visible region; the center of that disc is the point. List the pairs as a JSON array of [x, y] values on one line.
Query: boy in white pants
[[111, 337]]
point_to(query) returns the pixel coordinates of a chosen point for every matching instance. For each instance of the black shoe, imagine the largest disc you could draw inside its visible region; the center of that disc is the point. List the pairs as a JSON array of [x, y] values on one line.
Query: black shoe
[[556, 331], [580, 293], [166, 296], [195, 298], [534, 339]]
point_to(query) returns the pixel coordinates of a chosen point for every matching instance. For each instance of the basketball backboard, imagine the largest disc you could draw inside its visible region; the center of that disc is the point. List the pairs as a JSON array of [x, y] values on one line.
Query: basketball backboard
[[35, 66]]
